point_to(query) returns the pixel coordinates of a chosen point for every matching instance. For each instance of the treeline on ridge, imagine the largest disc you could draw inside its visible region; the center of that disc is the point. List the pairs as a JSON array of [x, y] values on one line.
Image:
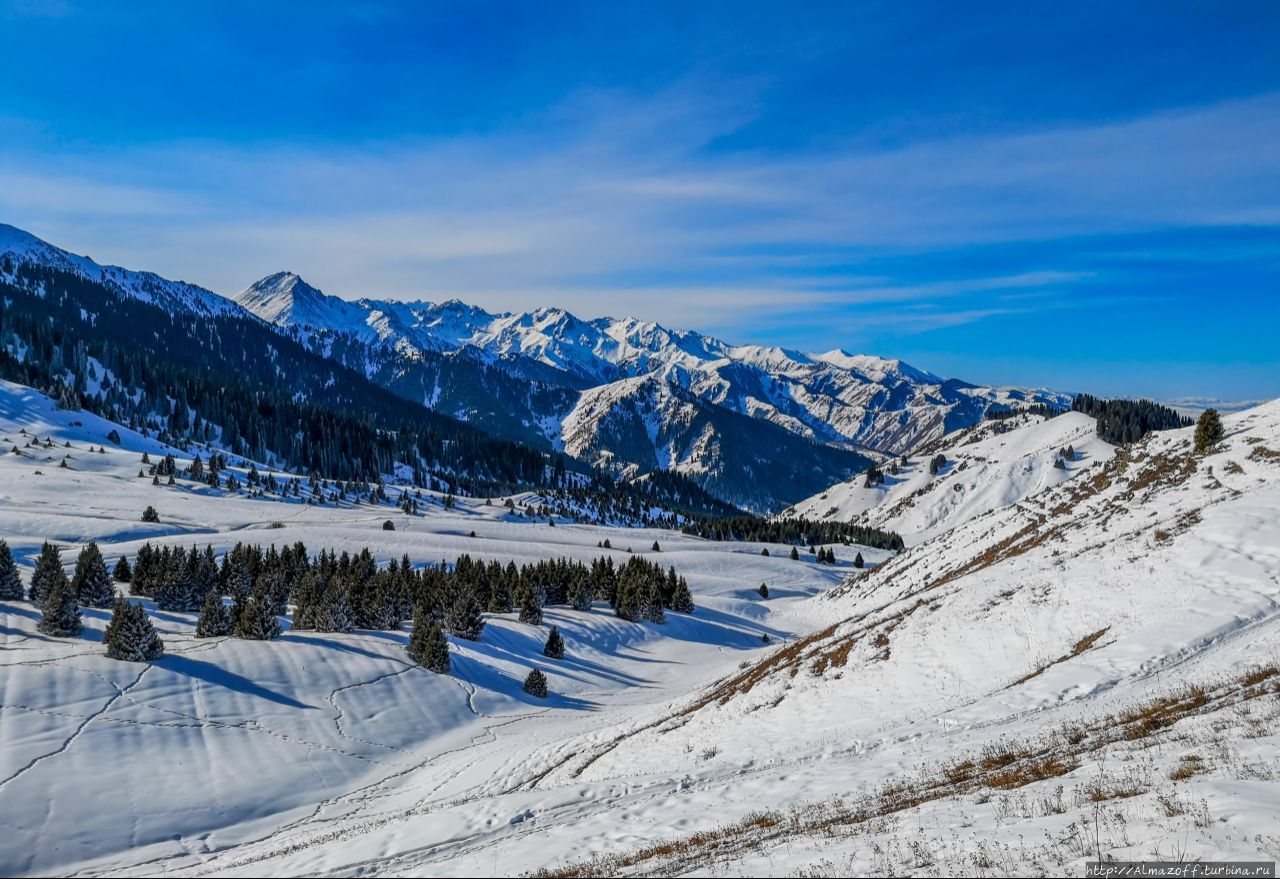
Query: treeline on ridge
[[1127, 421], [797, 532]]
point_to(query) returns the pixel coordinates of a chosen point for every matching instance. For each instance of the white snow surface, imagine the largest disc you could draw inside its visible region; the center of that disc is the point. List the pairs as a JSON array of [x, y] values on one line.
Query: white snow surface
[[989, 466], [1149, 570]]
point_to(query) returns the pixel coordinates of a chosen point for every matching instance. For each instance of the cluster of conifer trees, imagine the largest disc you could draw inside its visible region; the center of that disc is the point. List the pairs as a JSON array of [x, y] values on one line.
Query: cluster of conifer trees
[[1127, 421], [797, 532]]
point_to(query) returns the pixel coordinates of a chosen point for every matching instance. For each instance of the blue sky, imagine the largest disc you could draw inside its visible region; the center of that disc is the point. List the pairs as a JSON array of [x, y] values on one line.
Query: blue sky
[[1080, 195]]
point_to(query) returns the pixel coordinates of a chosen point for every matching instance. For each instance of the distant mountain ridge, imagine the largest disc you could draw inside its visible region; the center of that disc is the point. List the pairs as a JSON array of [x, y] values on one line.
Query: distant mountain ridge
[[758, 426]]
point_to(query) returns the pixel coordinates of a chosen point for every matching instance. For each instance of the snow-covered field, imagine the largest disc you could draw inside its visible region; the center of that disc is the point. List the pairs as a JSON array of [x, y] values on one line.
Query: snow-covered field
[[980, 704]]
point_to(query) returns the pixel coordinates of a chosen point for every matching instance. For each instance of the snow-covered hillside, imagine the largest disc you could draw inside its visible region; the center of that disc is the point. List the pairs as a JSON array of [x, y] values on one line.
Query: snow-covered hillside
[[311, 726], [1091, 669], [988, 466]]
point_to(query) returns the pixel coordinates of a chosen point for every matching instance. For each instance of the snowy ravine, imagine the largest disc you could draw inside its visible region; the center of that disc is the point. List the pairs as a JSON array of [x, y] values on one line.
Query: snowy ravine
[[1088, 665]]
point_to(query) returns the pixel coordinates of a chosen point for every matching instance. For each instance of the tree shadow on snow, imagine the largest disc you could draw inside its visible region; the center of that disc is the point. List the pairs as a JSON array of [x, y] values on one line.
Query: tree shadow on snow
[[333, 643], [221, 677], [486, 677]]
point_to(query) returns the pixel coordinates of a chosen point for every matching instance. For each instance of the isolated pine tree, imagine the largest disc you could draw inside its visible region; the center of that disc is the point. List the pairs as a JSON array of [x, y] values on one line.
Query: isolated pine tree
[[150, 514], [763, 590], [858, 562], [795, 554], [10, 583], [130, 635], [554, 648], [215, 617], [1209, 430], [656, 548], [536, 684], [91, 580], [47, 574], [122, 573], [427, 645], [61, 613]]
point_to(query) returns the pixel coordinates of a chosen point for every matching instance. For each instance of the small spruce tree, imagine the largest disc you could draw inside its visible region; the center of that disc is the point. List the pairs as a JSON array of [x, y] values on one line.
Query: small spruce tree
[[130, 635], [255, 621], [150, 514], [427, 645], [1209, 430], [47, 574], [858, 562], [91, 580], [10, 583], [795, 554], [763, 590], [215, 617], [122, 573], [536, 684], [554, 648], [61, 613]]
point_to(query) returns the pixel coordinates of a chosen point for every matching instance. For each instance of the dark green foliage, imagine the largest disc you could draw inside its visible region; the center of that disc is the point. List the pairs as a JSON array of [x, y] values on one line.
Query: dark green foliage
[[682, 598], [123, 573], [254, 620], [61, 613], [1209, 430], [47, 574], [531, 601], [150, 514], [10, 583], [656, 548], [388, 525], [91, 580], [428, 646], [554, 648], [307, 409], [936, 463], [215, 618], [795, 554], [857, 561], [798, 532], [130, 636], [536, 684], [1127, 421], [763, 590], [464, 617]]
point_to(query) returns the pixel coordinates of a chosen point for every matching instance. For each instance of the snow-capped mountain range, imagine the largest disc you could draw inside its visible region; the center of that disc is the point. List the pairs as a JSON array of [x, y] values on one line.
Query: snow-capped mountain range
[[836, 398], [624, 393]]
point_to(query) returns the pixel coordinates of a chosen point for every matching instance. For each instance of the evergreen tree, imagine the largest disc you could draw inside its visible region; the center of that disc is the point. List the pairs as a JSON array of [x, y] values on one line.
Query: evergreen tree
[[581, 594], [427, 645], [130, 635], [91, 580], [61, 613], [656, 548], [255, 621], [531, 606], [536, 684], [763, 590], [150, 514], [47, 574], [555, 645], [1209, 430], [795, 554], [10, 583], [333, 612], [122, 573], [858, 562], [464, 618], [215, 617], [682, 599]]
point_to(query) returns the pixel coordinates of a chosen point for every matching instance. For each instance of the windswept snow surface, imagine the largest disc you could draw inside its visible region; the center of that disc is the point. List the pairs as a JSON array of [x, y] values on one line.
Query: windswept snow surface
[[1026, 632], [989, 466], [111, 766]]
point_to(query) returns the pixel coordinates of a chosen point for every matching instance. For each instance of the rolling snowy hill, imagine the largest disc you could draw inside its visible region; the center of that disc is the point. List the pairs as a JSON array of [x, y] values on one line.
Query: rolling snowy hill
[[989, 466], [1090, 669]]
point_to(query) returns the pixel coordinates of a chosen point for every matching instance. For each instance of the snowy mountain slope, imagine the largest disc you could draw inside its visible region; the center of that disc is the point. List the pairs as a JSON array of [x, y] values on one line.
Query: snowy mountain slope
[[646, 424], [991, 465], [311, 726], [1092, 670], [18, 247]]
